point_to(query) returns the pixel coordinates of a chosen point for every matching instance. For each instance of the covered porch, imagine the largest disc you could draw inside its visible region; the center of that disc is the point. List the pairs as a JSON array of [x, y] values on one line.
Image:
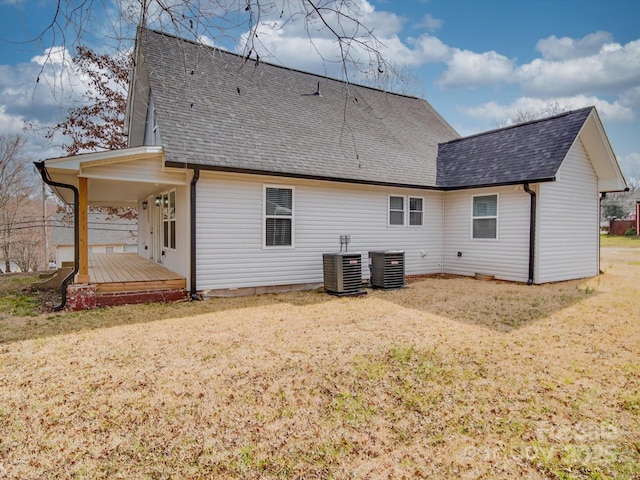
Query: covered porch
[[132, 177]]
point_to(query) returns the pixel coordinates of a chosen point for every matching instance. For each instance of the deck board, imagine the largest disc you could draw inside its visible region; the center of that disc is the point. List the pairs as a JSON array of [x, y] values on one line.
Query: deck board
[[115, 272]]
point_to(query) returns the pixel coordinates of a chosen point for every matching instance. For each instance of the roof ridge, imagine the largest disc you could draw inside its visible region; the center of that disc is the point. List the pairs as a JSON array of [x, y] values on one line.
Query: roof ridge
[[518, 125], [283, 67]]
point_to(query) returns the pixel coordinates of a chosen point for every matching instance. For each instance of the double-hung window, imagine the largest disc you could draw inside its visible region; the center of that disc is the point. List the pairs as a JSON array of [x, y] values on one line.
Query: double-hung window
[[406, 211], [416, 212], [396, 210], [169, 219], [485, 216], [278, 218]]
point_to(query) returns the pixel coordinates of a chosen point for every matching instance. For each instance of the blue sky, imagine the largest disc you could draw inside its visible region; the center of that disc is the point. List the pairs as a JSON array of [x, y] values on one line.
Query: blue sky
[[476, 61]]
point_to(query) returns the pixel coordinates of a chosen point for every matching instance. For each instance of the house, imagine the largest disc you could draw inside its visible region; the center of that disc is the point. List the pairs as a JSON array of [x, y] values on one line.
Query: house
[[13, 267], [252, 171], [107, 234]]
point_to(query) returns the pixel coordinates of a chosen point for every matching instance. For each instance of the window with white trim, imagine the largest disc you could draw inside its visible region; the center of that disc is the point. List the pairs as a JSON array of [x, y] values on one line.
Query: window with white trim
[[485, 216], [416, 211], [168, 203], [406, 211], [396, 210], [278, 216]]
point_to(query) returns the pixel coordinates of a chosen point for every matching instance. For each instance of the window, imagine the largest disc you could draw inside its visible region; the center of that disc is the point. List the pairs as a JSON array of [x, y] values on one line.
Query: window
[[278, 226], [415, 211], [396, 210], [399, 216], [485, 216], [168, 203]]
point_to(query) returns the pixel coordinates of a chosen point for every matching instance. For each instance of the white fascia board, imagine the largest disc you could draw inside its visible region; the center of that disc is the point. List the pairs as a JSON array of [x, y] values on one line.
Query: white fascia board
[[77, 162], [603, 159]]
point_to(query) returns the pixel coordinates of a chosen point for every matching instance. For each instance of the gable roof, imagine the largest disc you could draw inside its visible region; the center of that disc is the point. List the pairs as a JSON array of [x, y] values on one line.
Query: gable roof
[[220, 111], [528, 152]]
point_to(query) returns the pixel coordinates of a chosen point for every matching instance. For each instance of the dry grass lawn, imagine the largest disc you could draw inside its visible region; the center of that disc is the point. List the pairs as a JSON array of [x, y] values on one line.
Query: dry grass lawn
[[448, 378]]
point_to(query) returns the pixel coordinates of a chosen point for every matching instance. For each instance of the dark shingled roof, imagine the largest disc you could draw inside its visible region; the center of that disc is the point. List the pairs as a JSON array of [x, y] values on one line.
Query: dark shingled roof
[[221, 111], [527, 152]]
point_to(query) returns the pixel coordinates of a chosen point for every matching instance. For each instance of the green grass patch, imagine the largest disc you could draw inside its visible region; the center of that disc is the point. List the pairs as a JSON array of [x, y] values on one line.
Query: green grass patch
[[611, 241]]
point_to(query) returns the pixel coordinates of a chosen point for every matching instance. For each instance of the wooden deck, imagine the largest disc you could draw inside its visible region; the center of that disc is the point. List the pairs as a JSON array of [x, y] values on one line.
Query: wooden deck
[[129, 272]]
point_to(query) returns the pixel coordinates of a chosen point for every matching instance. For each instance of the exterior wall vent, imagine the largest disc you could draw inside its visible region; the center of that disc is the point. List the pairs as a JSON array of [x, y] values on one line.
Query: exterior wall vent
[[343, 273], [387, 269]]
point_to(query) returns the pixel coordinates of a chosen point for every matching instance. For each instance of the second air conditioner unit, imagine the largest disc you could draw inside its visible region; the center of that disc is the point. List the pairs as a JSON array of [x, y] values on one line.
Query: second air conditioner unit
[[387, 269]]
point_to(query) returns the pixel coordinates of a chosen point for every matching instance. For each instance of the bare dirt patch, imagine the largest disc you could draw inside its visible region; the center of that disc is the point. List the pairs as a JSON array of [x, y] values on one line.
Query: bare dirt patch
[[448, 378]]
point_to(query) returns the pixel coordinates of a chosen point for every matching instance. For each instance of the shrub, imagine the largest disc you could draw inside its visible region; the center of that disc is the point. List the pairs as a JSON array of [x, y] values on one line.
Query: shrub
[[630, 232]]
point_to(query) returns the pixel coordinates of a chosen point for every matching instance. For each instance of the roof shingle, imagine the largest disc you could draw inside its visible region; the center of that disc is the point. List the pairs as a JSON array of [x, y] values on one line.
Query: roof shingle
[[528, 152], [219, 110]]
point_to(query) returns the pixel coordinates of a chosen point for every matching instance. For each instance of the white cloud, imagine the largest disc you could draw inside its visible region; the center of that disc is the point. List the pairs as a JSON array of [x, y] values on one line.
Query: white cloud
[[470, 69], [309, 45], [10, 124], [205, 40], [499, 114], [427, 49], [631, 98], [630, 165], [38, 94], [613, 68], [554, 48], [430, 23]]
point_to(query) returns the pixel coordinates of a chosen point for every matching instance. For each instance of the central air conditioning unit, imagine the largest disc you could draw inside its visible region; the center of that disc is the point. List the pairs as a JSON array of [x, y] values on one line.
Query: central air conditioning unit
[[387, 269], [343, 273]]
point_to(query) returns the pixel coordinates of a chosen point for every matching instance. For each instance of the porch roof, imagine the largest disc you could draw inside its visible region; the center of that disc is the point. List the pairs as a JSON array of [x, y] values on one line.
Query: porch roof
[[111, 184]]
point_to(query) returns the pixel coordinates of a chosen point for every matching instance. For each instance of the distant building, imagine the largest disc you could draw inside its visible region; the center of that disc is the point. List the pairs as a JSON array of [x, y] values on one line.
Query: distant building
[[107, 234], [14, 267]]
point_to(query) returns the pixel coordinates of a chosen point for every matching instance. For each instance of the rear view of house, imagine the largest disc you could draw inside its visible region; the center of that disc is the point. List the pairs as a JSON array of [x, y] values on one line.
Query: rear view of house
[[245, 173]]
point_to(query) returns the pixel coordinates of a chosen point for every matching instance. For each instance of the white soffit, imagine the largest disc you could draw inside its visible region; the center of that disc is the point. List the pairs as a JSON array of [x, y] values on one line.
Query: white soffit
[[605, 164]]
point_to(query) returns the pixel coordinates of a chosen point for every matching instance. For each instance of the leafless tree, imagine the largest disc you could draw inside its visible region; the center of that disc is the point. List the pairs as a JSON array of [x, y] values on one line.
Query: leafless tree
[[400, 79], [225, 20], [15, 193], [522, 116]]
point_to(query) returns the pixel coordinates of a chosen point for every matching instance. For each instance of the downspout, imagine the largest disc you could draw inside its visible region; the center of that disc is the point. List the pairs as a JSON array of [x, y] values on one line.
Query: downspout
[[194, 180], [603, 195], [442, 235], [532, 232], [76, 232]]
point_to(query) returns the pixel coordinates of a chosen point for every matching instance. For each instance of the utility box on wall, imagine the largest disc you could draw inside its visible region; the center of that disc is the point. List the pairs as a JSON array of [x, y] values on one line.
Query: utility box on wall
[[387, 269], [342, 273]]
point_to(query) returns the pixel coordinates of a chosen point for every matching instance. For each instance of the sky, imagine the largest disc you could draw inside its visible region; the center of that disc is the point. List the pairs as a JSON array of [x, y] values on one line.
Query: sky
[[478, 62]]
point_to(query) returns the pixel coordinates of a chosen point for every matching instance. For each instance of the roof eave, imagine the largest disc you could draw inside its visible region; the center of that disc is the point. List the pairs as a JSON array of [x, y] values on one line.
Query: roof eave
[[601, 155], [498, 184], [302, 176]]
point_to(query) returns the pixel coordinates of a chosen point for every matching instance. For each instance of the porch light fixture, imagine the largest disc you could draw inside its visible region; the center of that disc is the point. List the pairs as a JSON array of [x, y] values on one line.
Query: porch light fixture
[[145, 204], [158, 200]]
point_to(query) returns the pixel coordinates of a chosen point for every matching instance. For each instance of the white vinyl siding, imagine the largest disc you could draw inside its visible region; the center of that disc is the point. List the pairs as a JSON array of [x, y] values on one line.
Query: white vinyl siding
[[151, 131], [231, 252], [568, 231], [506, 257], [176, 259]]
